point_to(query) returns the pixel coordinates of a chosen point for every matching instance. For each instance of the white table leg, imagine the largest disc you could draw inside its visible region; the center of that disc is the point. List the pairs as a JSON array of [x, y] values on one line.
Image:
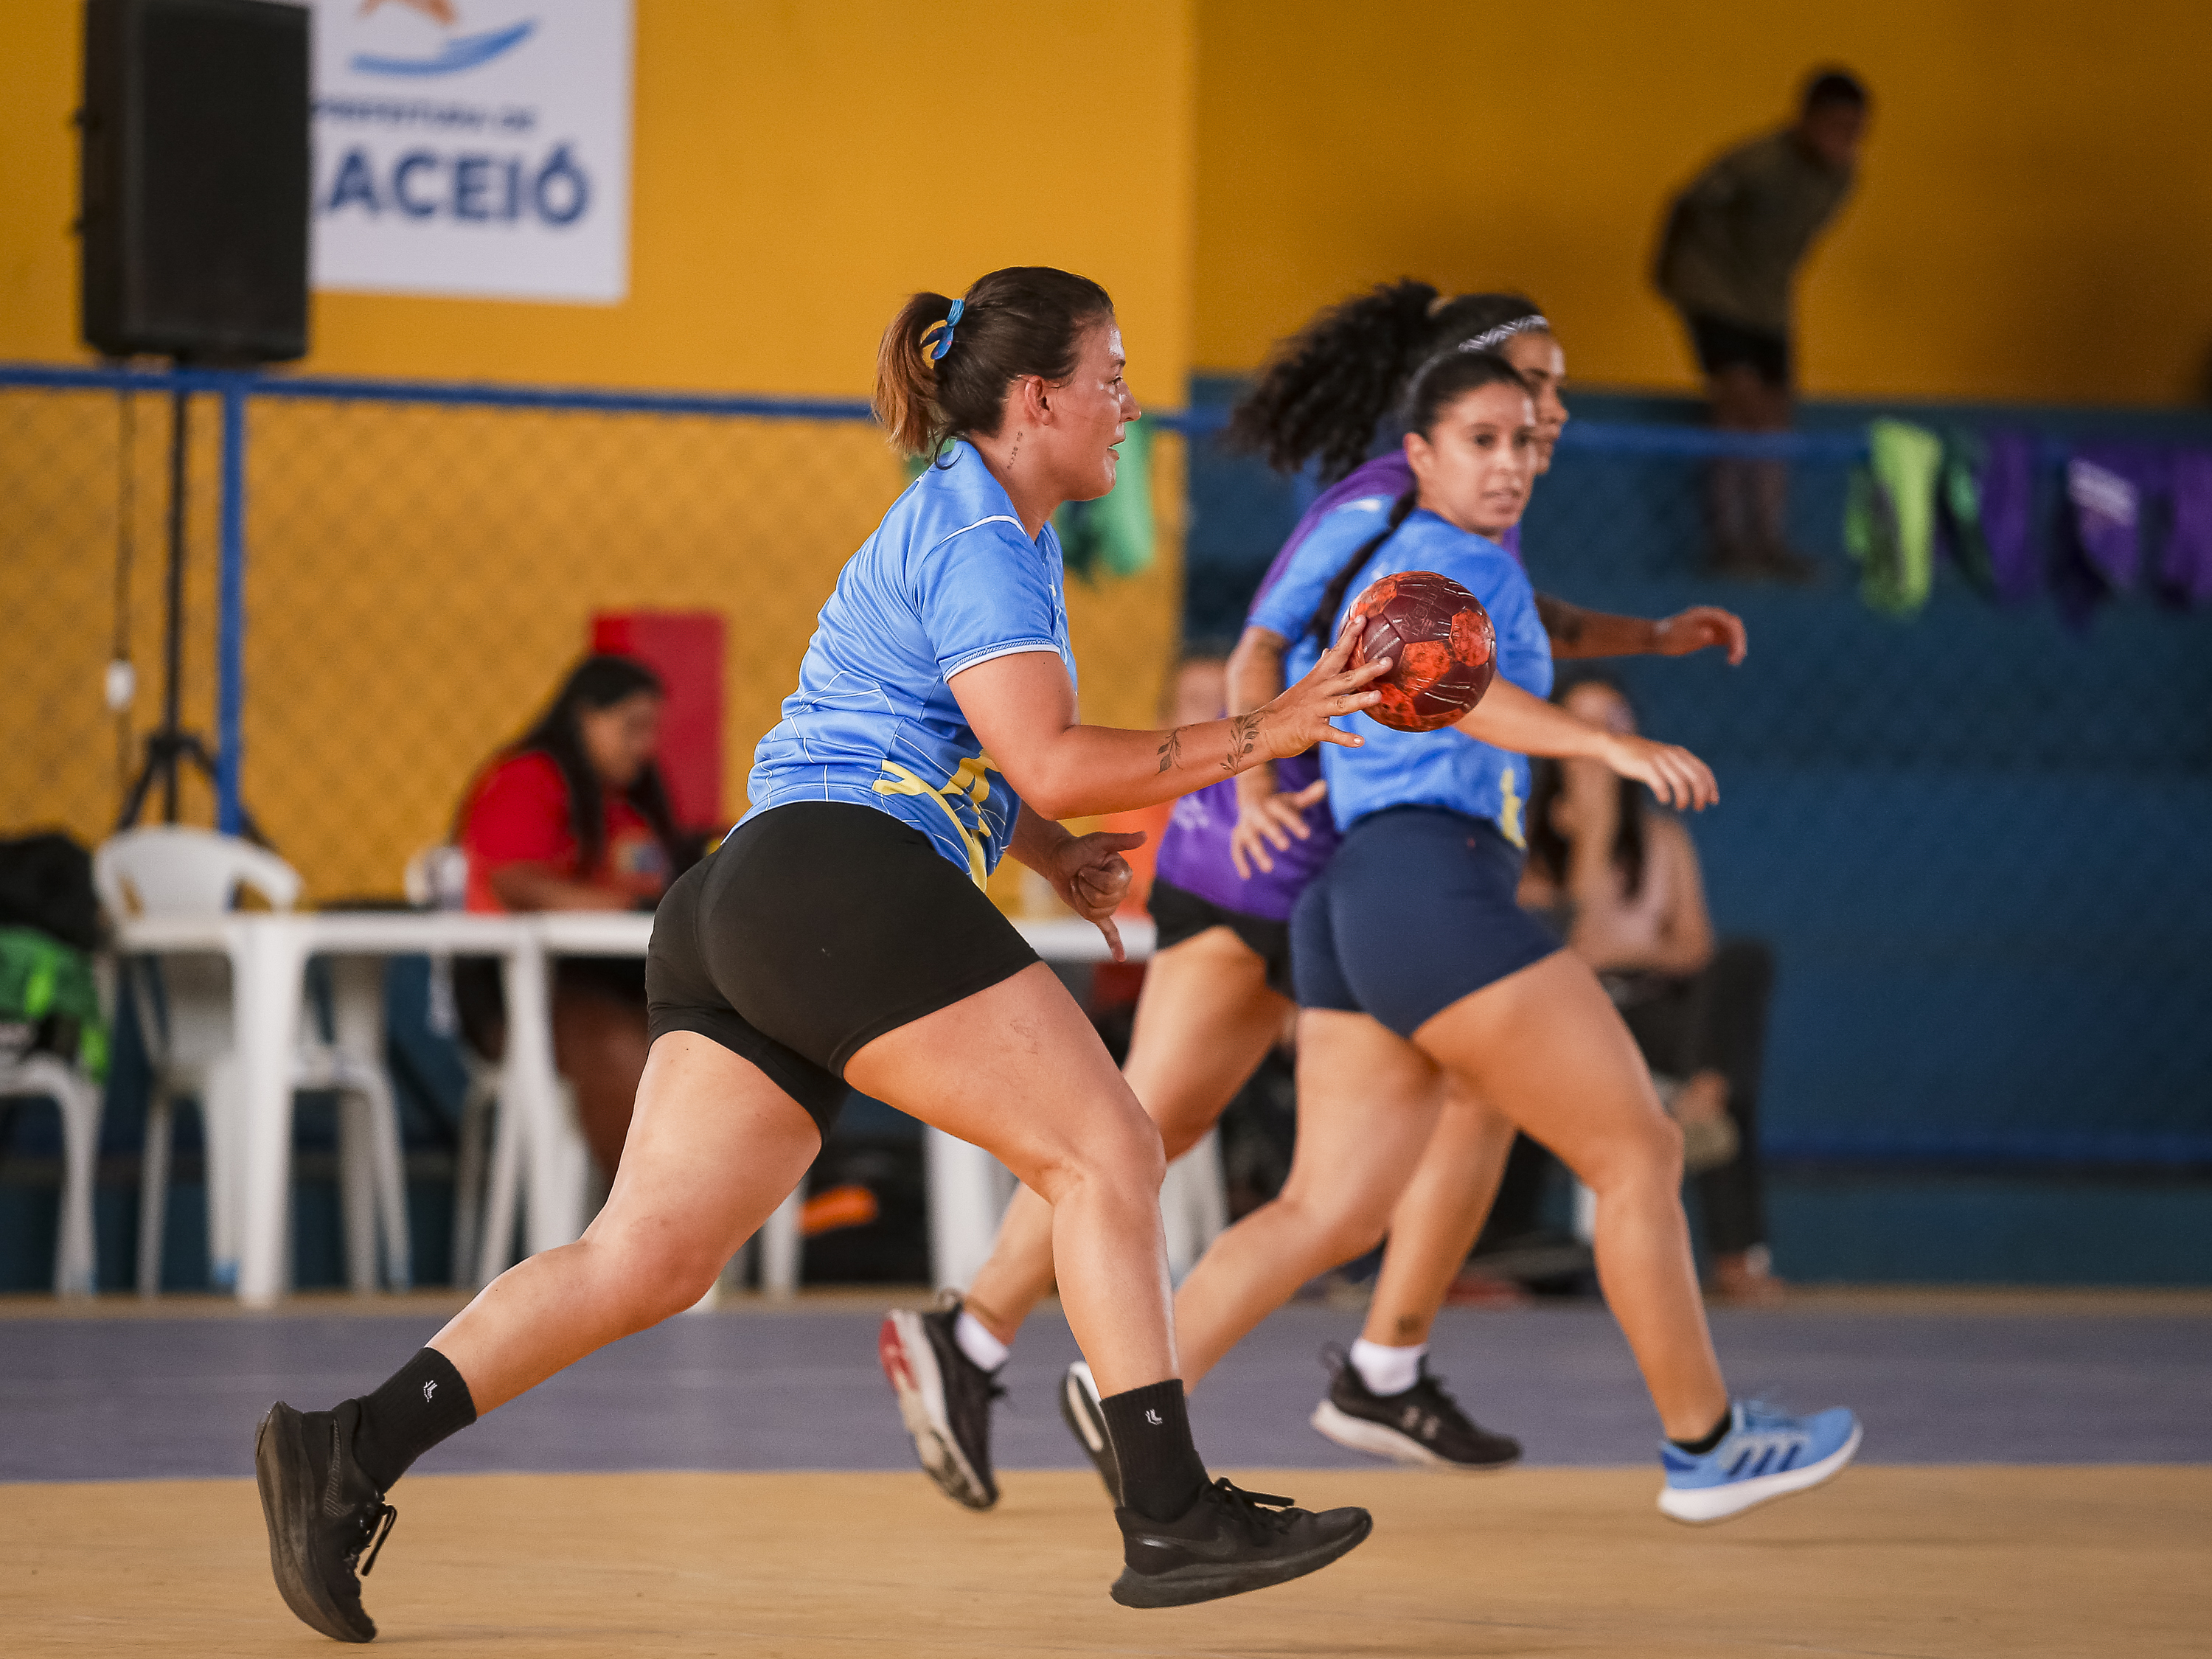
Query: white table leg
[[267, 959], [379, 1186], [551, 1144], [779, 1239], [1193, 1209], [965, 1203]]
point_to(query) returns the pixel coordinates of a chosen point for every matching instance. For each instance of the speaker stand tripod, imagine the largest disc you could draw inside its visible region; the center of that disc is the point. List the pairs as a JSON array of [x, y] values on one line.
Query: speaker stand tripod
[[169, 747]]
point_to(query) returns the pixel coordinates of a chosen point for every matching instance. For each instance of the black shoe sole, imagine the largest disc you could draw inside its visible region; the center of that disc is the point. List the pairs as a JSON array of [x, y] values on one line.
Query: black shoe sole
[[286, 1477], [1180, 1587], [1086, 1424]]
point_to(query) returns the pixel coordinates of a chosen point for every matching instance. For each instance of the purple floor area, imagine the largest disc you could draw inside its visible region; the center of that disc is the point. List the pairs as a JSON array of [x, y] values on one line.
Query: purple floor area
[[139, 1398]]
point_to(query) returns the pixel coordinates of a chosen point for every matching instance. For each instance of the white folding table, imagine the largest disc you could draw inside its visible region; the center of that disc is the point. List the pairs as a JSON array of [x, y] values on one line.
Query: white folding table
[[269, 954]]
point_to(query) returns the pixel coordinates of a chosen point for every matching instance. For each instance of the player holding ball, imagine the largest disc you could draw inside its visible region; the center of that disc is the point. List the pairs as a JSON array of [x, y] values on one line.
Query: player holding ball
[[1411, 956]]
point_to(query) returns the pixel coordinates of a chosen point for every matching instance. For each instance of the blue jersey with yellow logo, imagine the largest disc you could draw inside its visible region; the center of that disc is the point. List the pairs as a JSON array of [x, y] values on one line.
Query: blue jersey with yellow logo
[[948, 581], [1435, 768]]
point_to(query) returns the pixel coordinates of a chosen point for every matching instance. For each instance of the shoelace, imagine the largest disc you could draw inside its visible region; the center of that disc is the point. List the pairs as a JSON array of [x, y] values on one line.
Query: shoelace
[[378, 1519], [1255, 1511]]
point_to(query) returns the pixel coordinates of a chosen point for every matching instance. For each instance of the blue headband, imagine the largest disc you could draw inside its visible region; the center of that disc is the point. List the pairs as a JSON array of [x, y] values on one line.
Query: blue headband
[[942, 333]]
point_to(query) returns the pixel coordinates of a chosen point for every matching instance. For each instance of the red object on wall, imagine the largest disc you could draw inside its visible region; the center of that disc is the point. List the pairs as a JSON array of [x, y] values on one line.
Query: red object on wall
[[684, 647]]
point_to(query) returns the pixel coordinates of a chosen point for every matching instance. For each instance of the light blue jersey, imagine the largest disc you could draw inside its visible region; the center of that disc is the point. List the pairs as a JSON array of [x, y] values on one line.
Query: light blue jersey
[[1287, 607], [948, 581], [1448, 768]]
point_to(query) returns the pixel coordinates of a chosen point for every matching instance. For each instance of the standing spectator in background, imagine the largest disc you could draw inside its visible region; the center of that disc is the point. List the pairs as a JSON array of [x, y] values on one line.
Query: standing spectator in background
[[1621, 879], [1727, 259], [574, 816]]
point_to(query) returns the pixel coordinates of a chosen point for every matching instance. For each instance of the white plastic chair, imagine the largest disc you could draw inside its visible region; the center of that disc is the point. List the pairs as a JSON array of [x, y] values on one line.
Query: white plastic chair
[[185, 1021], [78, 1099]]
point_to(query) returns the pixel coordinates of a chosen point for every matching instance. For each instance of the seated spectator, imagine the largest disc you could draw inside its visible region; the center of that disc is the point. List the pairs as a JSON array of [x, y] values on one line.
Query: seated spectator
[[573, 816], [1621, 878]]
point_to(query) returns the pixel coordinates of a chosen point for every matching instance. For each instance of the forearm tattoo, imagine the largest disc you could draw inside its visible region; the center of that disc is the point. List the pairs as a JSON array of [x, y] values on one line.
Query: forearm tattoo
[[1171, 751], [1243, 739]]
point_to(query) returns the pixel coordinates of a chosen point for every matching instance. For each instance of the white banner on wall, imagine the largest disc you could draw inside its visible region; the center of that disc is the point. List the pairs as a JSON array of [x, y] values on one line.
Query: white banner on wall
[[477, 148]]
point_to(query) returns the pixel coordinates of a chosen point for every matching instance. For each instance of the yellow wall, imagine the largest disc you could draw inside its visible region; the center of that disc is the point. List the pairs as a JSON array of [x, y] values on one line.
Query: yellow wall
[[2034, 219], [798, 170], [418, 578]]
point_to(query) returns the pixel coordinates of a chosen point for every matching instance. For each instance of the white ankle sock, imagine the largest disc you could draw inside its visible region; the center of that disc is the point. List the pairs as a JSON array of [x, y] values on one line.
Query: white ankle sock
[[977, 1343], [1387, 1370]]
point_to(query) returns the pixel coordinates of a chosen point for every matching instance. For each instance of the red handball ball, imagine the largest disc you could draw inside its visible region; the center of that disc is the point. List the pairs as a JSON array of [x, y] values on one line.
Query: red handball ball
[[1439, 641]]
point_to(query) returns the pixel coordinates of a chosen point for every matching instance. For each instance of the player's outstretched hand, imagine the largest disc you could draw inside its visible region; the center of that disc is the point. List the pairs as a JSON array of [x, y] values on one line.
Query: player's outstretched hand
[[1677, 777], [1299, 718], [1700, 627], [1092, 879], [1272, 819]]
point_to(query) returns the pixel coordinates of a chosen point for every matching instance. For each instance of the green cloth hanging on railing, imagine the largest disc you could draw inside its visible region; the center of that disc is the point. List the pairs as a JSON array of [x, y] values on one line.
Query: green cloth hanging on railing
[[1889, 516], [1115, 534], [1959, 508]]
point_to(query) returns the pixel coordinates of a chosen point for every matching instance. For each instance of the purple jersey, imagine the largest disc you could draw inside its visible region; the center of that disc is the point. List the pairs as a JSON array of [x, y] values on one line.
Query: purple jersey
[[1194, 850]]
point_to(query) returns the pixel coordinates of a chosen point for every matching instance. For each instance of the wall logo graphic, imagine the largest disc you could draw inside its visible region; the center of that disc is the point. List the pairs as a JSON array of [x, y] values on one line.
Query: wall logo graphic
[[473, 148], [464, 53]]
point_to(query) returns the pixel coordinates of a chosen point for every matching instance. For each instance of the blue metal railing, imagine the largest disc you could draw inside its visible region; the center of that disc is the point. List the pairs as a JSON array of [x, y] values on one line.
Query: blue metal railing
[[233, 387], [2021, 1150]]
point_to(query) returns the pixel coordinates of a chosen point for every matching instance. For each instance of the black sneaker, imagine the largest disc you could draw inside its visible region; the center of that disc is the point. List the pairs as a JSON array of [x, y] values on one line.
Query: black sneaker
[[1079, 1409], [324, 1515], [1230, 1541], [945, 1398], [1423, 1425]]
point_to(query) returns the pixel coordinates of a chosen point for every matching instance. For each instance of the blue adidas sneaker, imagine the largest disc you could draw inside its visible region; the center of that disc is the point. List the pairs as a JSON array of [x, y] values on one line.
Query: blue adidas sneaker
[[1765, 1455]]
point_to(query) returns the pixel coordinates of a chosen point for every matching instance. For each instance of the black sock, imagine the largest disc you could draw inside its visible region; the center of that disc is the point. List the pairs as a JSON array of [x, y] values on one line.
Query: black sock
[[1700, 1446], [419, 1405], [1149, 1427]]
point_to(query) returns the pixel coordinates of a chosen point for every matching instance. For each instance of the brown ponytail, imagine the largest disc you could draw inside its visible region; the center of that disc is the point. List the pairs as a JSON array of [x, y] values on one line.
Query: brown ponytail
[[906, 383], [1025, 319]]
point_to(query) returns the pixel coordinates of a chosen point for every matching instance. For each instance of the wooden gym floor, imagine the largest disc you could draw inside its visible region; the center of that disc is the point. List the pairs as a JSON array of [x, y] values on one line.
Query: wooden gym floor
[[1892, 1561], [2037, 1481]]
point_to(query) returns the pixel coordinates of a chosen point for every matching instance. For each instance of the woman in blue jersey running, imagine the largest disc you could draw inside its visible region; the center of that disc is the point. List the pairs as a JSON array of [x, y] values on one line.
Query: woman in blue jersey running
[[1217, 992], [841, 937], [1414, 961]]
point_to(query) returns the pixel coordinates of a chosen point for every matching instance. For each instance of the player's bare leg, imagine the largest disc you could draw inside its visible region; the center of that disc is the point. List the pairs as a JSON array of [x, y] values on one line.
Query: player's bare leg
[[1368, 1101], [1205, 1020]]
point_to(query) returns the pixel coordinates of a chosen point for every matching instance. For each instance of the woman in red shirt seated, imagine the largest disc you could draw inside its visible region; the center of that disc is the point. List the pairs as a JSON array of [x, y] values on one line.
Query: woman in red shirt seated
[[573, 816]]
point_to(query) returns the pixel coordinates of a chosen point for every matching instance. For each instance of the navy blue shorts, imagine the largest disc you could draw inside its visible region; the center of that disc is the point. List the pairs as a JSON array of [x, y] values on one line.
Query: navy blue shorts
[[1416, 910]]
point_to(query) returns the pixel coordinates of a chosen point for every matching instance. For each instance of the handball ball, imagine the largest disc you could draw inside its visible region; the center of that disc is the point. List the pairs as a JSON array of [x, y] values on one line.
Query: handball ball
[[1440, 642]]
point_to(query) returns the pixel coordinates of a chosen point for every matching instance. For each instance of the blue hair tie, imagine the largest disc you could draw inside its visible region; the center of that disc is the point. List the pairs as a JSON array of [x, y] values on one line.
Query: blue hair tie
[[942, 333]]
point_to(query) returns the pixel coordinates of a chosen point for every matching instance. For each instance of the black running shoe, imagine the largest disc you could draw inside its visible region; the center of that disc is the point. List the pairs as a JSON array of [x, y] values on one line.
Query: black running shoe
[[945, 1398], [1423, 1425], [324, 1515], [1079, 1409], [1230, 1541]]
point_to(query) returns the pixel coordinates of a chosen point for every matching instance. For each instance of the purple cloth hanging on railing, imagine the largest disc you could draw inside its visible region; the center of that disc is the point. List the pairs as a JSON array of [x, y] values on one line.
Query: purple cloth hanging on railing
[[2008, 500], [2111, 490], [2184, 570]]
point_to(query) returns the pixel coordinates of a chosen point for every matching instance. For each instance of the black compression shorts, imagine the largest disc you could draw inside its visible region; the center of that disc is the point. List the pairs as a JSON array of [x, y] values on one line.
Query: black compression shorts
[[1180, 913], [814, 929]]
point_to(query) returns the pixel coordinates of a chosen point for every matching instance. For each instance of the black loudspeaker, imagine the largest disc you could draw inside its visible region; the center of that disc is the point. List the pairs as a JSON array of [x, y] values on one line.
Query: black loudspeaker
[[196, 179]]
